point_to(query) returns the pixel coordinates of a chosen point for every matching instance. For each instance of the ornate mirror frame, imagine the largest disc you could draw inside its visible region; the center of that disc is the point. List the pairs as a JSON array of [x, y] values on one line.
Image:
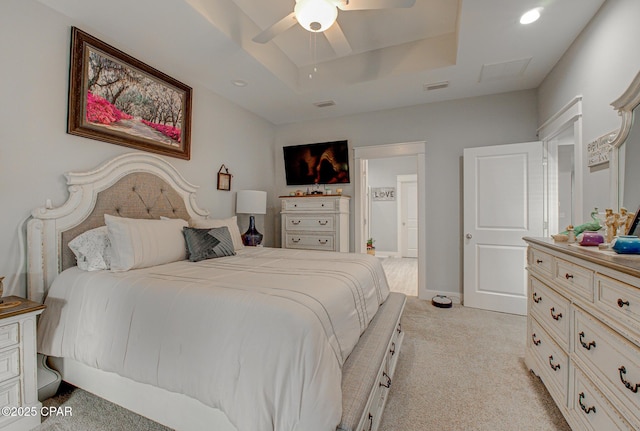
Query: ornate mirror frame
[[625, 105]]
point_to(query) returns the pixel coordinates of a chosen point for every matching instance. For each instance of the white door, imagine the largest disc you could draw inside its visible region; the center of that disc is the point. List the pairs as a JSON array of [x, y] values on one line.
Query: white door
[[408, 215], [503, 202]]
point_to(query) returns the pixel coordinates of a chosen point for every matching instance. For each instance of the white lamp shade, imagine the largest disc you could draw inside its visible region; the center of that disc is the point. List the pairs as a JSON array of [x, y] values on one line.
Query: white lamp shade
[[251, 202], [315, 15]]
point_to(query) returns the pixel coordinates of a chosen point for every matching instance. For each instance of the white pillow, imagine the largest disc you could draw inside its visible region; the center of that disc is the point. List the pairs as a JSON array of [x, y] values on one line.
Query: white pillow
[[92, 249], [231, 223], [140, 243]]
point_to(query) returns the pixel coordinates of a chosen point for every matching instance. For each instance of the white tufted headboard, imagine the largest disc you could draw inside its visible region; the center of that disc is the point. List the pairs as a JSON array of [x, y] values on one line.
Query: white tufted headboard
[[134, 185]]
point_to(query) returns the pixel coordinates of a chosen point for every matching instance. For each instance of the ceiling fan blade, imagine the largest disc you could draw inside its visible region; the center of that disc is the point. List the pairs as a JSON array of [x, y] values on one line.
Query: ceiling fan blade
[[280, 27], [373, 4], [337, 40]]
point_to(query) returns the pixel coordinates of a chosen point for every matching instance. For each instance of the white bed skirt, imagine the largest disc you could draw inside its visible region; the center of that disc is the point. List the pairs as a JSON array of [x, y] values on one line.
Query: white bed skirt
[[174, 410]]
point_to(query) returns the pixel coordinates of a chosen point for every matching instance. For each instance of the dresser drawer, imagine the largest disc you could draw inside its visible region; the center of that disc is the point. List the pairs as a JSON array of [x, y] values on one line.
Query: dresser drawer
[[551, 310], [620, 299], [577, 279], [553, 361], [9, 335], [613, 359], [309, 204], [592, 409], [541, 262], [309, 223], [10, 394], [9, 364], [310, 242]]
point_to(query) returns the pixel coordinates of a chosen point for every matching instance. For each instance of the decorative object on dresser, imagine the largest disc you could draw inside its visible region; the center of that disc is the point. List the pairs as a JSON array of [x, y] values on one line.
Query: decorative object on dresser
[[18, 376], [117, 99], [633, 228], [251, 202], [626, 244], [224, 178], [583, 332], [315, 222]]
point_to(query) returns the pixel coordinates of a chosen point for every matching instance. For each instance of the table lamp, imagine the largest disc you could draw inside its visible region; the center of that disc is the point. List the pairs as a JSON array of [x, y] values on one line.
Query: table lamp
[[251, 202]]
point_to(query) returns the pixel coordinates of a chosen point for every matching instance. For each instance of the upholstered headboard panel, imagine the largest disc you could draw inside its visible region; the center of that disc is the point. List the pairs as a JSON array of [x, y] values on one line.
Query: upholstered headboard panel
[[137, 195], [134, 185]]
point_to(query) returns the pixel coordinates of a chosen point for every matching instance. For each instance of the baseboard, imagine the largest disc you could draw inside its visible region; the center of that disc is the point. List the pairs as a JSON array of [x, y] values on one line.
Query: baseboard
[[455, 297]]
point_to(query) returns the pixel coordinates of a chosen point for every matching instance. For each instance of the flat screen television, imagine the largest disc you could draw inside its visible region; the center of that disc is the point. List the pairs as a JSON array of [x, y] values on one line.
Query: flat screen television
[[319, 163]]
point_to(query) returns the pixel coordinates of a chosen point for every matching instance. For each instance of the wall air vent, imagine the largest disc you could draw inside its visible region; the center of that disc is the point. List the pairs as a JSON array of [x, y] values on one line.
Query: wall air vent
[[435, 86], [324, 104]]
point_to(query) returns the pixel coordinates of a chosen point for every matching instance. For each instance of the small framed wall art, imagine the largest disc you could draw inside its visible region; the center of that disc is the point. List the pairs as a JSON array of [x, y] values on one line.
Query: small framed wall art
[[224, 179]]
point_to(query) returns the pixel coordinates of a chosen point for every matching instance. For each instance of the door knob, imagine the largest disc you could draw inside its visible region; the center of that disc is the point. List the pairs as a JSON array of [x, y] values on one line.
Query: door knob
[[469, 236]]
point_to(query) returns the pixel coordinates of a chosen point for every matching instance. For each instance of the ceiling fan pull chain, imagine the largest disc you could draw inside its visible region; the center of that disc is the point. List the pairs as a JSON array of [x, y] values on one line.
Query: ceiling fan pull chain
[[312, 47]]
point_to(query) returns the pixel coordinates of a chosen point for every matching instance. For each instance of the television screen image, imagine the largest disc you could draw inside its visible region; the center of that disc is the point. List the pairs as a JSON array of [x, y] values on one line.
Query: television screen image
[[321, 163]]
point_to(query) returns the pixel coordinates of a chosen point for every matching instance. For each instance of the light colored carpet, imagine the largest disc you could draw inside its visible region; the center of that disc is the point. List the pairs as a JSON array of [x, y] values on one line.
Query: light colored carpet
[[463, 369], [459, 369]]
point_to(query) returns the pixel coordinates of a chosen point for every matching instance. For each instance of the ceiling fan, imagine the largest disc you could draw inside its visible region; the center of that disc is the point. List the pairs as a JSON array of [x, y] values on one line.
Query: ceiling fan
[[320, 16]]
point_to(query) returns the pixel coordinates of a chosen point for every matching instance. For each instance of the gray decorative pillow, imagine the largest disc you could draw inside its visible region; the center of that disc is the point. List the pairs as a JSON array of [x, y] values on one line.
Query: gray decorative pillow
[[207, 243]]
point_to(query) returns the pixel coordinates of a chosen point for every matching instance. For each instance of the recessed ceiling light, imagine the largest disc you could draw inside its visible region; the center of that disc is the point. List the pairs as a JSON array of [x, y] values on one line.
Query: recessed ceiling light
[[530, 16], [239, 83]]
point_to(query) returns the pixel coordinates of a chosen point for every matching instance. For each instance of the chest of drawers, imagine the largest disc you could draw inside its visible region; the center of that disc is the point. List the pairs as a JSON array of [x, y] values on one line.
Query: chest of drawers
[[583, 332], [315, 222], [18, 373]]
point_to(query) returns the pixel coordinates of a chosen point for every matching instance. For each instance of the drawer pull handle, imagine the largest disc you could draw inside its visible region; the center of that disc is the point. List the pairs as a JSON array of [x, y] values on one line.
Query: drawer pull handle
[[323, 222], [536, 298], [295, 240], [568, 276], [399, 328], [555, 316], [627, 385], [295, 222], [535, 342], [370, 422], [323, 241], [393, 349], [589, 345], [584, 408], [388, 384], [538, 260], [553, 367], [622, 303]]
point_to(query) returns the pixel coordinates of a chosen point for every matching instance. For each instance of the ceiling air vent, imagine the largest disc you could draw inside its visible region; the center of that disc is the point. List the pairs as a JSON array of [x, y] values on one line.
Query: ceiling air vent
[[435, 86], [504, 70], [325, 104]]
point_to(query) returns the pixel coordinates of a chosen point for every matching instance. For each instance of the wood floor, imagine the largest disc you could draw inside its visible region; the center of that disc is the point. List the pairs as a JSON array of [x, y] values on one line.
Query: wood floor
[[402, 274]]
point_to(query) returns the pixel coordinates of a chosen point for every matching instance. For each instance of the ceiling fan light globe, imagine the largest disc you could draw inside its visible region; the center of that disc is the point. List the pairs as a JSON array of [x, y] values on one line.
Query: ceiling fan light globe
[[315, 15]]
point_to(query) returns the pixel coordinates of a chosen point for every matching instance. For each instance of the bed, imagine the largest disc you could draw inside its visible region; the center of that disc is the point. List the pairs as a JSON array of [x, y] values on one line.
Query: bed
[[257, 339]]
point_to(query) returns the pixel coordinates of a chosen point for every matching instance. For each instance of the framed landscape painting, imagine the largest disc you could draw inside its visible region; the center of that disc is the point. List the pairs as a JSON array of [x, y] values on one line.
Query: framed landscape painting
[[115, 98]]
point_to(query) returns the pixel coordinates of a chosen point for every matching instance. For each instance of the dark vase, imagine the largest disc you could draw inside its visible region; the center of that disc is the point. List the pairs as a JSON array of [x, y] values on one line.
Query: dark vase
[[252, 237]]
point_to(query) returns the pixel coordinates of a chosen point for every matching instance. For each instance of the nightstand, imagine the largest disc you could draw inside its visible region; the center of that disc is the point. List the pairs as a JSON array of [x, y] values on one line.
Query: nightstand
[[18, 375]]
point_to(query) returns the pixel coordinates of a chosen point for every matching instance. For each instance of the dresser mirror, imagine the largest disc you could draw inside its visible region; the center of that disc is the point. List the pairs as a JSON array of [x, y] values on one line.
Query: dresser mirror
[[625, 153]]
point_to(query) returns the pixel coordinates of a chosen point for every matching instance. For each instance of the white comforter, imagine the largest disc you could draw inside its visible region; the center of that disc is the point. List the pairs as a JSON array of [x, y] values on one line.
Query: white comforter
[[261, 335]]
